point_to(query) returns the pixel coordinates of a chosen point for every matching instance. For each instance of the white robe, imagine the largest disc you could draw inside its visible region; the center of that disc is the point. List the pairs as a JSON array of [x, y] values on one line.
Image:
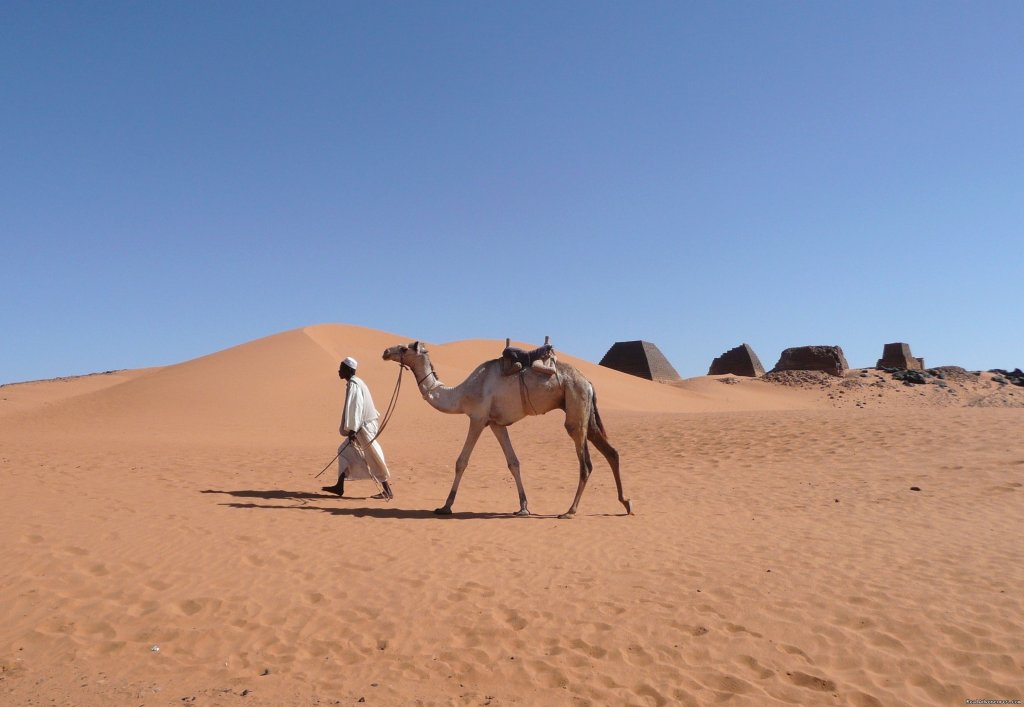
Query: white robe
[[352, 463], [365, 459], [358, 408]]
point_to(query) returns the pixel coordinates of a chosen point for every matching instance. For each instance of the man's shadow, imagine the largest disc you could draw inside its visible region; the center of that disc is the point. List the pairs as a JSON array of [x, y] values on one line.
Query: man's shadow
[[368, 512], [282, 495]]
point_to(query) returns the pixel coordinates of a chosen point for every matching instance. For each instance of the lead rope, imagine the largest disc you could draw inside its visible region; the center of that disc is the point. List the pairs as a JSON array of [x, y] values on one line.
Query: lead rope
[[391, 406], [525, 391], [380, 429]]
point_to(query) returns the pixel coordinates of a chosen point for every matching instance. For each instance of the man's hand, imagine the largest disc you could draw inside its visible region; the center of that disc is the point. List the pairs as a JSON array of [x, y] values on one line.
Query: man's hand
[[351, 436]]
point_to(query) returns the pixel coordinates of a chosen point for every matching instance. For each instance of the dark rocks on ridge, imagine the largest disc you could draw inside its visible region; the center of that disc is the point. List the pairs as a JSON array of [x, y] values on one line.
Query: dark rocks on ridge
[[740, 361], [911, 377], [829, 359], [1015, 377]]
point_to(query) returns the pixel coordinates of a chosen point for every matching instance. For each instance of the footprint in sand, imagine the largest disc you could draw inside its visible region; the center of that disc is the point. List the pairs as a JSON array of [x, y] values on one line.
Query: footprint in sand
[[793, 650], [412, 672], [34, 539], [255, 560], [811, 682], [862, 699], [885, 640], [549, 676], [477, 588], [708, 609], [108, 647], [414, 583], [754, 666], [189, 607], [613, 609], [143, 608], [57, 625], [729, 684], [99, 570], [636, 655], [591, 650], [102, 629], [649, 692], [734, 628], [515, 620]]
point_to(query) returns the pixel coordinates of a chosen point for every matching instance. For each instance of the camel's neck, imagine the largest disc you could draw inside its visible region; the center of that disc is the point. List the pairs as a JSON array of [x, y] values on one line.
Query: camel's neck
[[439, 395]]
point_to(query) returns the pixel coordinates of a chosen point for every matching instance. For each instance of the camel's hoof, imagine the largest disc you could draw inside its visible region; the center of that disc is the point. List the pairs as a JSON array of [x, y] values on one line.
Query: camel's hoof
[[522, 512], [629, 507], [566, 516], [443, 511]]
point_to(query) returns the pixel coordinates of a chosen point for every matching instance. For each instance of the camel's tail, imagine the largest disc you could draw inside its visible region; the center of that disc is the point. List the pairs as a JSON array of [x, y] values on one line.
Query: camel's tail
[[596, 417]]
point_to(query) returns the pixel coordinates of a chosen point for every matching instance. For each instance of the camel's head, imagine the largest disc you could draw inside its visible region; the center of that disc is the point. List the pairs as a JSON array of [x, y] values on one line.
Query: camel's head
[[405, 353]]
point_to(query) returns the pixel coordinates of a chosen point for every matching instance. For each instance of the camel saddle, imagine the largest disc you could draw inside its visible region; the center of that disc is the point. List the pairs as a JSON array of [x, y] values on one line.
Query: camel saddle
[[514, 360]]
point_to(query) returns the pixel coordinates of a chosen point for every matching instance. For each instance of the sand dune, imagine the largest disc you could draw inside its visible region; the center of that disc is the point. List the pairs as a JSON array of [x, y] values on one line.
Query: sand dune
[[778, 556], [285, 387]]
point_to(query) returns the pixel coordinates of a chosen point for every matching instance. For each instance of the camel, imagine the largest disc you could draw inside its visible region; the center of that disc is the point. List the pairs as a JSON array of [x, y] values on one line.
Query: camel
[[491, 399]]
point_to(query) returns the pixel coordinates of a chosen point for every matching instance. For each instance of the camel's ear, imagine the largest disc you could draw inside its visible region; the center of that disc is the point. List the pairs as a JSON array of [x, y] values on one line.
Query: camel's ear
[[416, 347]]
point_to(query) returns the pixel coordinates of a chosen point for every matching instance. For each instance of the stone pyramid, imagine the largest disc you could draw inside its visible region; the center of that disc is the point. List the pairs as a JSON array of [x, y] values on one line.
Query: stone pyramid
[[829, 359], [897, 355], [640, 358], [740, 361]]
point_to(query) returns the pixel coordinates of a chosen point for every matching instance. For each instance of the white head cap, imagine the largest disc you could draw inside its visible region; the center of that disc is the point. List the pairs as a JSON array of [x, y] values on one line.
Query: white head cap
[[350, 362]]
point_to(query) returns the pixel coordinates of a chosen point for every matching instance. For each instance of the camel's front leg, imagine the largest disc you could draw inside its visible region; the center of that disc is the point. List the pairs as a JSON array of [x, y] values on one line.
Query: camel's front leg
[[513, 465], [475, 428]]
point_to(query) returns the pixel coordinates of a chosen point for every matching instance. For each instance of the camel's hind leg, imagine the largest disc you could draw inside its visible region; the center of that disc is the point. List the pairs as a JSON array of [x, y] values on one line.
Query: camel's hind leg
[[576, 423], [586, 466], [592, 430], [599, 438], [513, 465]]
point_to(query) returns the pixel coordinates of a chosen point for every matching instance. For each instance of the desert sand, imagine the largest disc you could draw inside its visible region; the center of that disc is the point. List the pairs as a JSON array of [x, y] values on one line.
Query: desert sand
[[163, 541]]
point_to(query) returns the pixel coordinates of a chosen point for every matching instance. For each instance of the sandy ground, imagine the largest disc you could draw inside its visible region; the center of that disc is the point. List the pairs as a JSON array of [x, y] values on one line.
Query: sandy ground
[[848, 542]]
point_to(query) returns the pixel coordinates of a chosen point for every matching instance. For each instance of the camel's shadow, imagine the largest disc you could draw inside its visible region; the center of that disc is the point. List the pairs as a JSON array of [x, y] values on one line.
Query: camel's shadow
[[386, 511]]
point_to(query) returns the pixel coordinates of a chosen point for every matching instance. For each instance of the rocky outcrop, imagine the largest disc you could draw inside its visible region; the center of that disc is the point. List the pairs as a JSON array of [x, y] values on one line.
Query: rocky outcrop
[[740, 361], [829, 359], [898, 355], [640, 358], [910, 377], [1014, 377]]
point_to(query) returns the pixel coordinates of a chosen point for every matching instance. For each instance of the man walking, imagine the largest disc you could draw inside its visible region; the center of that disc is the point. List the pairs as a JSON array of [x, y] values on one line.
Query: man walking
[[359, 426]]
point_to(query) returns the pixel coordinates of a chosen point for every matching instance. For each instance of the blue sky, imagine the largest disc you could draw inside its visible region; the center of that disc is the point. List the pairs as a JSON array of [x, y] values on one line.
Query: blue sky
[[180, 177]]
